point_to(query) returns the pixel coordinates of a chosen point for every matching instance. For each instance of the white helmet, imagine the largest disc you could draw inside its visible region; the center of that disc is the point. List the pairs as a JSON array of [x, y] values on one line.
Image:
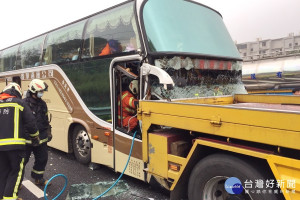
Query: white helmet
[[134, 86], [37, 85], [14, 86]]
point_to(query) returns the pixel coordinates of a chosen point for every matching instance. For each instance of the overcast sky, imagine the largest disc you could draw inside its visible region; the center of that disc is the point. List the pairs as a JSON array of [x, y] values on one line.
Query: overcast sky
[[246, 20]]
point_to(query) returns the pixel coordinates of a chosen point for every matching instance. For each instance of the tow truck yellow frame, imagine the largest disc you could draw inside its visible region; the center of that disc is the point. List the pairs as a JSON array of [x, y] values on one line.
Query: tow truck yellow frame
[[219, 116]]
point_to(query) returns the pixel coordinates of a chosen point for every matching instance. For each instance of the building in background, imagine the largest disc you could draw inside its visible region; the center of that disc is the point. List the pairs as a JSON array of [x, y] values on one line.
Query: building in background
[[271, 66], [269, 48]]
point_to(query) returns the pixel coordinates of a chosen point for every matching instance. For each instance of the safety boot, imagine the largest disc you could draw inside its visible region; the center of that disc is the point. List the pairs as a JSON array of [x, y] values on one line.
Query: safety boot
[[41, 182]]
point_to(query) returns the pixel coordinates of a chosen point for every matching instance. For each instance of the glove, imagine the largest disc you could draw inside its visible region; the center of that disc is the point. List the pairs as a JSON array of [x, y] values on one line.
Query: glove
[[35, 141], [49, 133]]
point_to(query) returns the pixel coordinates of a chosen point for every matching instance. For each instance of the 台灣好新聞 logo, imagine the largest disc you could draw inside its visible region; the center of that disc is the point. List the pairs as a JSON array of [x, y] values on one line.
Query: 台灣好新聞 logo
[[233, 186]]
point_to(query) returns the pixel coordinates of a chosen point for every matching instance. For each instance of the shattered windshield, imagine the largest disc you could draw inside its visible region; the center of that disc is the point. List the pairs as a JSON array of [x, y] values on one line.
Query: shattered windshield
[[186, 27], [199, 78]]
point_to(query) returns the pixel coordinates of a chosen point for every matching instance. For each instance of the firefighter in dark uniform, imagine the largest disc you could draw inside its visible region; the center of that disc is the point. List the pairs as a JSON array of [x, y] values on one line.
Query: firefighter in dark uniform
[[15, 116], [40, 111]]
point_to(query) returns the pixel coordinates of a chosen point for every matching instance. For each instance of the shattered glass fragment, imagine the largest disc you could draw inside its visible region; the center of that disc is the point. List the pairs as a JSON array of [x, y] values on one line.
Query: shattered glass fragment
[[89, 191]]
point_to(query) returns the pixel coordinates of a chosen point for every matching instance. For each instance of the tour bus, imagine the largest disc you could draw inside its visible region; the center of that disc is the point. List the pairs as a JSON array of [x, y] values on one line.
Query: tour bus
[[272, 75], [175, 49]]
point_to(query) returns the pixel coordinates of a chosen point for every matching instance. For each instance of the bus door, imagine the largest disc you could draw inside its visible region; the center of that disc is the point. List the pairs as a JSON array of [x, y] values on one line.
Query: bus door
[[123, 71]]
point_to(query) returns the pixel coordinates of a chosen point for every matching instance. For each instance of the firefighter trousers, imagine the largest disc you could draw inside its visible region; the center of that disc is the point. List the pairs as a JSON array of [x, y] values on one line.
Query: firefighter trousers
[[40, 159], [11, 171]]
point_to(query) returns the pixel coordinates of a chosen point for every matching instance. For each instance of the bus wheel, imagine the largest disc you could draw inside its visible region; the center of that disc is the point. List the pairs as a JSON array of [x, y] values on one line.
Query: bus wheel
[[207, 180], [81, 145]]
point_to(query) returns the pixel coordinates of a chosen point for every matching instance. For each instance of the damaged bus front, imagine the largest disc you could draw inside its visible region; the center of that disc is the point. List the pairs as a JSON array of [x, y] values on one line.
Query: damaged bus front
[[191, 43]]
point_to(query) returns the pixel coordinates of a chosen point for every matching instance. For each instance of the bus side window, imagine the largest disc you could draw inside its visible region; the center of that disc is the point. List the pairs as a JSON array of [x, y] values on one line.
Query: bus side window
[[30, 52], [111, 47], [111, 32], [9, 57], [131, 45], [63, 45], [92, 45], [47, 59]]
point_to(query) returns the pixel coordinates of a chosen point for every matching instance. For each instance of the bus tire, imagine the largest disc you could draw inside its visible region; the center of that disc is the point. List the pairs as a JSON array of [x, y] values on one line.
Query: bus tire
[[208, 177], [81, 145]]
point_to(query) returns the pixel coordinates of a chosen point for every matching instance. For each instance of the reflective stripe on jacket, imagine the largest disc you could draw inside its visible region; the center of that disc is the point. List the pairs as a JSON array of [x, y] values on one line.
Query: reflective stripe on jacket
[[128, 106], [15, 116]]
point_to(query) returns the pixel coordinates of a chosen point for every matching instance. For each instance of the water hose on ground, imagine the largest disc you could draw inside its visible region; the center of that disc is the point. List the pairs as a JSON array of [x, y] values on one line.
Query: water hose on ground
[[66, 179], [53, 177]]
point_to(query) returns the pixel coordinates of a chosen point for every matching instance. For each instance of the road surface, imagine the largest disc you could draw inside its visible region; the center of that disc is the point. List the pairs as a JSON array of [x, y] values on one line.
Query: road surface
[[85, 183]]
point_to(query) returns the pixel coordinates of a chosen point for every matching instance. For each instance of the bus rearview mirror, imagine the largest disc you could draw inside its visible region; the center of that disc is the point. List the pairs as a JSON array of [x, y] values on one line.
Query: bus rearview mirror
[[163, 76]]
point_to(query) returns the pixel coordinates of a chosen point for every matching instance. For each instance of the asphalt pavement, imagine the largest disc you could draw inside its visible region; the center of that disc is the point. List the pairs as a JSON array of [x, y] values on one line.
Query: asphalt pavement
[[85, 182]]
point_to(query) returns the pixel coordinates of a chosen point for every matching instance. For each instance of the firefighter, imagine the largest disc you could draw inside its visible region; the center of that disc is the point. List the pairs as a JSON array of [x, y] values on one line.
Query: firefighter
[[15, 116], [129, 106], [39, 109]]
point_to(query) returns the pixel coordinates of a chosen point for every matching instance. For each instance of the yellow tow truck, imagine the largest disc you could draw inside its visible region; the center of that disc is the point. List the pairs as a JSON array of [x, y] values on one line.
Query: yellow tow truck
[[193, 146]]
